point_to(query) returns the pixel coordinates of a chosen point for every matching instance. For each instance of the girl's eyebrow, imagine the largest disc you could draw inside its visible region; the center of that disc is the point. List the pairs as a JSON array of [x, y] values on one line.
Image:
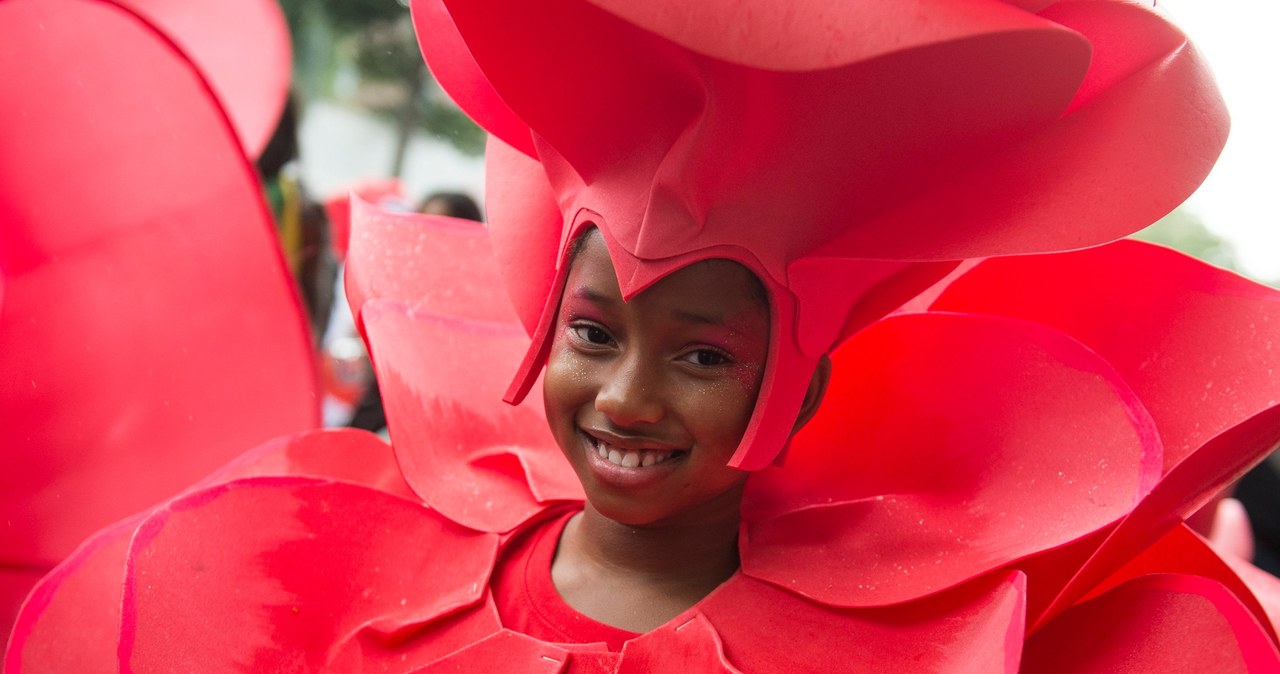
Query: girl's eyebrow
[[585, 292], [700, 318]]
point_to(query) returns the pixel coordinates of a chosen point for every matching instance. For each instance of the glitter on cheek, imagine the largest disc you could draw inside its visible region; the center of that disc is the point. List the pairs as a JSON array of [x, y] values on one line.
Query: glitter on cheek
[[730, 398], [576, 369], [748, 376], [566, 363]]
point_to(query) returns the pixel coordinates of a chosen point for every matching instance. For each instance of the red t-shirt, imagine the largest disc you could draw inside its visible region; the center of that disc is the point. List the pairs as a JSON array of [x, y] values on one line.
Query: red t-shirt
[[528, 601]]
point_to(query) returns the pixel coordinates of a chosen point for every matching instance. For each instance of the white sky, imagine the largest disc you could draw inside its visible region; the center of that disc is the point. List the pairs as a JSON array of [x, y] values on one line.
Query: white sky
[[1241, 41]]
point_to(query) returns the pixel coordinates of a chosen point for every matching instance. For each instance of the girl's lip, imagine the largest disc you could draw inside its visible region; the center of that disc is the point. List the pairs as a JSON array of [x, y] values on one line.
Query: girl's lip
[[630, 477], [631, 443]]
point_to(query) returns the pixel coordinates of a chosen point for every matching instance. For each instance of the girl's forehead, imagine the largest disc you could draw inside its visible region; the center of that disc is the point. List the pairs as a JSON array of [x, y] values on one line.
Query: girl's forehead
[[712, 283]]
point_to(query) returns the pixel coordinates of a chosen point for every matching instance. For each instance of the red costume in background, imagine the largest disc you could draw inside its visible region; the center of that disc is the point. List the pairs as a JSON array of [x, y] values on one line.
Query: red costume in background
[[998, 476], [132, 234]]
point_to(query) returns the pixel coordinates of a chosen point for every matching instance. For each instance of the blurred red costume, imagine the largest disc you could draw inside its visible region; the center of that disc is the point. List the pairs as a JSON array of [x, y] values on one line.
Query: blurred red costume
[[998, 477], [131, 233]]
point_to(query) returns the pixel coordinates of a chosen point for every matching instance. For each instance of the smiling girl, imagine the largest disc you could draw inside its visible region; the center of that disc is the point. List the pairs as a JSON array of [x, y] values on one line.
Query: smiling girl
[[648, 399], [824, 391]]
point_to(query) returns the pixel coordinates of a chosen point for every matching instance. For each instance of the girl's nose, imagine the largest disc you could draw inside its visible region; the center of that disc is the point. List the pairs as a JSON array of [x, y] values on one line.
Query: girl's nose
[[630, 394]]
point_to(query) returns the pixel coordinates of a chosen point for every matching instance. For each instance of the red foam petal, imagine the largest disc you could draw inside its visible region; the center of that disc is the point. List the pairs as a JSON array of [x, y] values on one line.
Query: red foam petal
[[141, 278], [457, 72], [503, 652], [691, 645], [82, 594], [331, 571], [1181, 492], [443, 339], [943, 451], [341, 454], [1264, 587], [1071, 184], [1161, 622], [468, 454], [526, 224], [241, 47], [784, 36], [1196, 343], [80, 597], [977, 627], [430, 263], [1182, 551], [337, 207]]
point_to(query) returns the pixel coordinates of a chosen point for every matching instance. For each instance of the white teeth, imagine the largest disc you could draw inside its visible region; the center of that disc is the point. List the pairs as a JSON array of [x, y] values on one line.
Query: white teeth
[[630, 459]]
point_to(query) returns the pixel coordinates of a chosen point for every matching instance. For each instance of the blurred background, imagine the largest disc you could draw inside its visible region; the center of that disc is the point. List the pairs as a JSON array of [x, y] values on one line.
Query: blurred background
[[1237, 202], [369, 108]]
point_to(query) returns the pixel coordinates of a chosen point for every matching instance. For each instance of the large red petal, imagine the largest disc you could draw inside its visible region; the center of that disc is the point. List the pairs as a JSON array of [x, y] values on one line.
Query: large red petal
[[1196, 343], [80, 597], [241, 47], [1185, 489], [329, 572], [141, 279], [1155, 623], [974, 628], [82, 594], [468, 454], [945, 450], [430, 263], [1182, 551], [1072, 184], [444, 339], [341, 454], [457, 72]]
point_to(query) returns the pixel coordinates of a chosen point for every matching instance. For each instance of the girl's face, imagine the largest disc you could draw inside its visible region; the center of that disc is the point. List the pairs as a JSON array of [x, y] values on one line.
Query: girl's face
[[648, 399]]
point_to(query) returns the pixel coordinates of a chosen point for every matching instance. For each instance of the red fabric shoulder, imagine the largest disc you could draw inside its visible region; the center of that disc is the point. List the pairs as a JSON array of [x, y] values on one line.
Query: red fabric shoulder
[[527, 599]]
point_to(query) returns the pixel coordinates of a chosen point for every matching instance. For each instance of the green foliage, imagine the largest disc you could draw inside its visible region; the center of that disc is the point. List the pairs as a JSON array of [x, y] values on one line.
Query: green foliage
[[387, 50], [353, 16], [444, 120], [376, 39], [1182, 230]]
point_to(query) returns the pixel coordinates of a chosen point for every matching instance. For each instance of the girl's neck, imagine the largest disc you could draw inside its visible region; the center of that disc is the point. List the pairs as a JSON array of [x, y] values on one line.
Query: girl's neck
[[639, 577], [707, 547]]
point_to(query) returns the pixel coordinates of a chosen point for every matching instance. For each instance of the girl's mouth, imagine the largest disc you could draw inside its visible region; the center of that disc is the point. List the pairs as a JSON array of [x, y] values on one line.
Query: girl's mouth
[[631, 458]]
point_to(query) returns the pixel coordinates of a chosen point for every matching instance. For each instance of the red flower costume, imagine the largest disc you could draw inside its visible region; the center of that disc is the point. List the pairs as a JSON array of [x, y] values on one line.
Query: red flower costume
[[998, 477], [131, 232]]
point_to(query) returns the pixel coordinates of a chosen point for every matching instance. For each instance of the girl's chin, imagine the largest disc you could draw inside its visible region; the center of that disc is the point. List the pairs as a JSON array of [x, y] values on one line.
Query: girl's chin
[[624, 515]]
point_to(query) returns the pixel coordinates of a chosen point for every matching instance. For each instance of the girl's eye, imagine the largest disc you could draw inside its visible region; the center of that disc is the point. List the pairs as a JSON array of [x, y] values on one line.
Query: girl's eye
[[707, 358], [591, 333], [596, 335]]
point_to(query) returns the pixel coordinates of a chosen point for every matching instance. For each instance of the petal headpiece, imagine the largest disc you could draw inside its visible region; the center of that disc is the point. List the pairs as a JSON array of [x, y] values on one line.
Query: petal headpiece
[[844, 171]]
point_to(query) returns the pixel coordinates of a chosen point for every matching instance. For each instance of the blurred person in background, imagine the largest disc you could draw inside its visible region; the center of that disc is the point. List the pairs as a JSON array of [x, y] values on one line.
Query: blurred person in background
[[300, 220]]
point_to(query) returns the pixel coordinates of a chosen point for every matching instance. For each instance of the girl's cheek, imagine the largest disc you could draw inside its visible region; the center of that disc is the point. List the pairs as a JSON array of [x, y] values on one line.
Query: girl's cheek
[[728, 401], [568, 364], [748, 377]]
